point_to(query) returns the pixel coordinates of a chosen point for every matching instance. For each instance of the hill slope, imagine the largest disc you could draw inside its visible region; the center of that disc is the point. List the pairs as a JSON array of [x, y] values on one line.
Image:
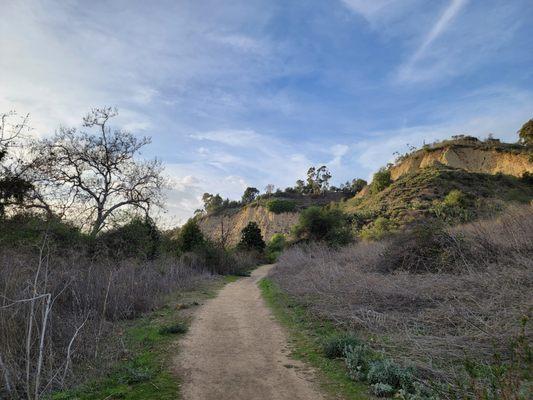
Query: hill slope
[[488, 174]]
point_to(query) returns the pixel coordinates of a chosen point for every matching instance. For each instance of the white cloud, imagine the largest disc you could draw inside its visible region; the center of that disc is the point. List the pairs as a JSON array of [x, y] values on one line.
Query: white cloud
[[368, 9], [230, 137], [440, 26], [338, 151]]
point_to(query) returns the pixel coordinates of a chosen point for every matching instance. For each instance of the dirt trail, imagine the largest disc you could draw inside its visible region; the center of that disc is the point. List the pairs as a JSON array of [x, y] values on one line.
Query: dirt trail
[[236, 350]]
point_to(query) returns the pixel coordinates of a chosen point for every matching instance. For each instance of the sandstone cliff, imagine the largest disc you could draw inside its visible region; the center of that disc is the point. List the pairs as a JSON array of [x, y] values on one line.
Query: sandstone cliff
[[471, 158], [228, 225]]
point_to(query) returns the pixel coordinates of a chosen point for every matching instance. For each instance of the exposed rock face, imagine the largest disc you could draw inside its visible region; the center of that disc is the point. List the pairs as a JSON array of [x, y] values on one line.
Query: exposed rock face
[[469, 159], [229, 224]]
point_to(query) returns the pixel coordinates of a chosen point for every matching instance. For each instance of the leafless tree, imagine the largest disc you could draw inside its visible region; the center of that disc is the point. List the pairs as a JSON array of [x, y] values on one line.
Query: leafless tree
[[97, 172], [12, 126], [269, 189]]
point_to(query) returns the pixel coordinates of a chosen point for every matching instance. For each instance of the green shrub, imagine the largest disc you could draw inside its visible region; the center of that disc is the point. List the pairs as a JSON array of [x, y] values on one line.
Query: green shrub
[[179, 327], [278, 206], [334, 346], [323, 224], [190, 237], [455, 208], [29, 229], [382, 390], [456, 198], [134, 375], [275, 247], [389, 373], [251, 238], [525, 133], [380, 181], [140, 237], [377, 230], [358, 359]]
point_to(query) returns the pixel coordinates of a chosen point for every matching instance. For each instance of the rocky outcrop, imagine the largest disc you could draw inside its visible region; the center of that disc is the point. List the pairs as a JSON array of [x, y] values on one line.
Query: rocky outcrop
[[468, 158], [227, 225]]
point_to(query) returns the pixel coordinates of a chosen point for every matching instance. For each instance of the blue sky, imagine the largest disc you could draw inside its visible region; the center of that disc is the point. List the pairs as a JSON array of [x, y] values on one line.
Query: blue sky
[[251, 92]]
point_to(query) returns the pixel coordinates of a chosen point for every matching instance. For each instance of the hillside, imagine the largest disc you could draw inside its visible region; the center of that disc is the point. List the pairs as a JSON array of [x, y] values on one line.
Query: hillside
[[227, 225], [469, 154], [488, 174], [415, 194]]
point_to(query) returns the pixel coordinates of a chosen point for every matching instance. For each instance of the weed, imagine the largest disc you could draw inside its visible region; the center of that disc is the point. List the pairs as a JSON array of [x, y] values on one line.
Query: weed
[[334, 346], [177, 328]]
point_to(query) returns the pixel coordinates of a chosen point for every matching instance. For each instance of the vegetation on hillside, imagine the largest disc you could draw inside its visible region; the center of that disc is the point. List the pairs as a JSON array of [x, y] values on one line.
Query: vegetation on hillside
[[526, 133], [436, 303], [80, 254]]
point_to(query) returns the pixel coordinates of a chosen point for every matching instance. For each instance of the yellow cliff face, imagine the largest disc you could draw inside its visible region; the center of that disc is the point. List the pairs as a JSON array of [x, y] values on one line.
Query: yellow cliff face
[[469, 159], [227, 226]]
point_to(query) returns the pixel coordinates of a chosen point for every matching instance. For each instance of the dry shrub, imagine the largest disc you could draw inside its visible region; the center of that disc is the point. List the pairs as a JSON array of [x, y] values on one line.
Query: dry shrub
[[437, 296], [56, 311]]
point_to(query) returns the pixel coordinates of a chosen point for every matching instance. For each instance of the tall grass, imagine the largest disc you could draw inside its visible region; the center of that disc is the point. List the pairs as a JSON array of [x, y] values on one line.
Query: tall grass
[[58, 309], [431, 297]]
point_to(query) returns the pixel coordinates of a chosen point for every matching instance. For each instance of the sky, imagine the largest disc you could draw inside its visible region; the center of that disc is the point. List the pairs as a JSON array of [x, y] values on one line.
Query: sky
[[238, 93]]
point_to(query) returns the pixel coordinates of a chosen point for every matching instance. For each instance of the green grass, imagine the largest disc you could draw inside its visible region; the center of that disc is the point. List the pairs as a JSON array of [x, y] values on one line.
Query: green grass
[[307, 336], [145, 371], [231, 278], [144, 374]]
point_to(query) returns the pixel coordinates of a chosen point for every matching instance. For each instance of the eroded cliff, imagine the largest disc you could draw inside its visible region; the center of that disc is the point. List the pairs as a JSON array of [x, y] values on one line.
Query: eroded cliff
[[226, 226], [469, 158]]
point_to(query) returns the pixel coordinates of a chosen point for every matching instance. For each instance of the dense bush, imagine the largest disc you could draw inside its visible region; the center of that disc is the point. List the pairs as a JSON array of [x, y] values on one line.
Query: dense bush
[[323, 224], [358, 358], [278, 206], [190, 237], [335, 346], [275, 247], [389, 373], [138, 238], [251, 238], [378, 229], [380, 181], [456, 207], [29, 229], [525, 133]]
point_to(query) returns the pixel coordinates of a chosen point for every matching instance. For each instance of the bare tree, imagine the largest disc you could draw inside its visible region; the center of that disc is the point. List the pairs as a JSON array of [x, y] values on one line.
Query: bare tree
[[13, 188], [97, 172], [269, 189]]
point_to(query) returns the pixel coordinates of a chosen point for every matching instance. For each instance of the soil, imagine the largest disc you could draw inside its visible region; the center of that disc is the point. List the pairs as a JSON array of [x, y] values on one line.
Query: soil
[[235, 350]]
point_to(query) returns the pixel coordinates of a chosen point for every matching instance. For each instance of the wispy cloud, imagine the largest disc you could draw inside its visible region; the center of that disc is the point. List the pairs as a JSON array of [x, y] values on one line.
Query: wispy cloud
[[440, 26], [255, 92]]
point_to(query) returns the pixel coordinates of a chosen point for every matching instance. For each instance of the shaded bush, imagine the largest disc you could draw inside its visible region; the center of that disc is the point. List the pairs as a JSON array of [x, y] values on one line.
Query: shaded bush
[[334, 346], [322, 224], [251, 238], [29, 229], [275, 247], [190, 237], [177, 328], [278, 206], [140, 237]]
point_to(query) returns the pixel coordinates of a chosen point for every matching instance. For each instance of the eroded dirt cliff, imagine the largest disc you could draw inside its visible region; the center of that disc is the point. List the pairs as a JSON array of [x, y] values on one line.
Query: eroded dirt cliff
[[468, 158], [226, 226]]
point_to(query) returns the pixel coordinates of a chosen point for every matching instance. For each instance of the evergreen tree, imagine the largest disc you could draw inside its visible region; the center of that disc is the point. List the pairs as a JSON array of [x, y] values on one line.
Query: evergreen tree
[[190, 236], [251, 238]]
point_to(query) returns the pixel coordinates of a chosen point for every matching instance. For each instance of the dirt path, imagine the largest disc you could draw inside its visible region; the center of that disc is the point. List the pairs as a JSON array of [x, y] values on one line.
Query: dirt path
[[236, 350]]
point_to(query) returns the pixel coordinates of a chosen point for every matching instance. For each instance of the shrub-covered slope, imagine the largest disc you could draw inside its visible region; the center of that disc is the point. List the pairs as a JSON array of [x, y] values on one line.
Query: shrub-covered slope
[[420, 194]]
